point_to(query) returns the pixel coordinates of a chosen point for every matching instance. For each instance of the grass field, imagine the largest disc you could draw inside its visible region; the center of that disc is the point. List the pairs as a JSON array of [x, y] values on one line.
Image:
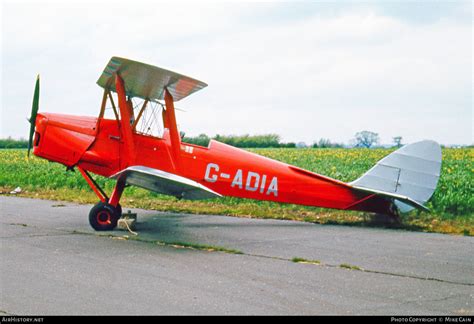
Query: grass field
[[452, 205]]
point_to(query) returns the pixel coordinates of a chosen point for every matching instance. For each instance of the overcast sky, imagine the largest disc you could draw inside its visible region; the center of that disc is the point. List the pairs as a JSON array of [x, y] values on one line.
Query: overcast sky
[[304, 70]]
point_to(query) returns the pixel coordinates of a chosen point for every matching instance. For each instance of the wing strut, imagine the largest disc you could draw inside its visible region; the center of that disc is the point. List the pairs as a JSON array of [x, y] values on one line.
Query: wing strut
[[170, 121], [126, 122]]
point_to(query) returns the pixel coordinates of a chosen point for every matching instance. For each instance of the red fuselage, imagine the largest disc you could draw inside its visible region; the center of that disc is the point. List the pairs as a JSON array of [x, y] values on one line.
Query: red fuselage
[[97, 145]]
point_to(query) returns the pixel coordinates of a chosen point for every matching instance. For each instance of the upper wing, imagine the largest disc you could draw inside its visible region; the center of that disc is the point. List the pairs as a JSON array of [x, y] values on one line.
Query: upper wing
[[147, 81], [165, 183]]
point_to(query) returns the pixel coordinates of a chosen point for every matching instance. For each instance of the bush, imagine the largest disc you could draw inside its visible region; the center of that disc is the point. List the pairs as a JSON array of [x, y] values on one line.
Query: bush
[[10, 143], [248, 141]]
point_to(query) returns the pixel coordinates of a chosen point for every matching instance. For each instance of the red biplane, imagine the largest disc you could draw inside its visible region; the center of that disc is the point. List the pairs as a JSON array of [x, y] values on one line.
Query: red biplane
[[141, 145]]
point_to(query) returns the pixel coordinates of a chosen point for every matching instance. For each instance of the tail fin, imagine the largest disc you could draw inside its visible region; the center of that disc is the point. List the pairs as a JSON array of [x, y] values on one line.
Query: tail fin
[[408, 176]]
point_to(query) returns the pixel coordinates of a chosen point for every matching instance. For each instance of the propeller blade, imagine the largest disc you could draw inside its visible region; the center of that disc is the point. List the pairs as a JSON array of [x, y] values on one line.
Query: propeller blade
[[34, 112]]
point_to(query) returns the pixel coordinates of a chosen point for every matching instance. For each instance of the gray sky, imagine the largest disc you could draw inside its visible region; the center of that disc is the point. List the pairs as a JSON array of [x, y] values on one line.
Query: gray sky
[[304, 70]]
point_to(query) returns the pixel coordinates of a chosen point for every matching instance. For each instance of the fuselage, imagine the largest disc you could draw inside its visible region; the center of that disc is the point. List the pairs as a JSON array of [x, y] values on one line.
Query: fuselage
[[96, 145]]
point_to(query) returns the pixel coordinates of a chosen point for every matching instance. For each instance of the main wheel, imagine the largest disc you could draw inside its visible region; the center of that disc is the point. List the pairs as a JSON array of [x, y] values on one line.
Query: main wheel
[[104, 217]]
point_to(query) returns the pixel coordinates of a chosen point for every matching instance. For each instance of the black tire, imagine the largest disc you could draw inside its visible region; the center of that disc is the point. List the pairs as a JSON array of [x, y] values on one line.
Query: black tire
[[103, 217]]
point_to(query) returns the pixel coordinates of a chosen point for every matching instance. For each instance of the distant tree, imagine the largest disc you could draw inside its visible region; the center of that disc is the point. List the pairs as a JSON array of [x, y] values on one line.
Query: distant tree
[[202, 140], [246, 140], [11, 143], [288, 145], [301, 145], [398, 141], [326, 143], [366, 139], [267, 140], [322, 143]]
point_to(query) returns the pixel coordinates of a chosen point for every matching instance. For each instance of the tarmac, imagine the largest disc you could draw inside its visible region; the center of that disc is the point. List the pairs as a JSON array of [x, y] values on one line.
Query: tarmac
[[53, 263]]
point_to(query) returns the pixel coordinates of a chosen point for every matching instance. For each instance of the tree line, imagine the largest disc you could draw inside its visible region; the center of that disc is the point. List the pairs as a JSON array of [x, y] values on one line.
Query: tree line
[[246, 140], [11, 143], [365, 139], [362, 139]]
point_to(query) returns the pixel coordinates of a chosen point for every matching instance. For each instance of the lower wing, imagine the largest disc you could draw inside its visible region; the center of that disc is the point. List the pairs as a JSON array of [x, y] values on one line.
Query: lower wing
[[165, 183]]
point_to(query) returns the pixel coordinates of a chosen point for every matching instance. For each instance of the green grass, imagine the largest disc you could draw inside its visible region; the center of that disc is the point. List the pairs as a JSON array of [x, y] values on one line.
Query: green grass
[[303, 260], [201, 247], [349, 267], [176, 245], [452, 204], [187, 245]]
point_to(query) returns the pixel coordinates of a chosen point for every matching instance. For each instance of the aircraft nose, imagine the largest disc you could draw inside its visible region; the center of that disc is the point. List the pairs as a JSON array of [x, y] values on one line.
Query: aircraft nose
[[41, 122]]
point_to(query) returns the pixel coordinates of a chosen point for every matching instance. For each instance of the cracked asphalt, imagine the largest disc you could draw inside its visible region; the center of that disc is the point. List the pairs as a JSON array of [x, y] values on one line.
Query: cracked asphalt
[[53, 263]]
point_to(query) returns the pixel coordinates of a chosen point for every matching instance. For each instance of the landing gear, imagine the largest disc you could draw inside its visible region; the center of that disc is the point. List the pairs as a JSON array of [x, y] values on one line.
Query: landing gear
[[105, 214], [391, 218], [104, 217]]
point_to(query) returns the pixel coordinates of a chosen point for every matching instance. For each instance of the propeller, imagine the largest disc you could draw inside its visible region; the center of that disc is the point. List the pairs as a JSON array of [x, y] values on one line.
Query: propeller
[[34, 112]]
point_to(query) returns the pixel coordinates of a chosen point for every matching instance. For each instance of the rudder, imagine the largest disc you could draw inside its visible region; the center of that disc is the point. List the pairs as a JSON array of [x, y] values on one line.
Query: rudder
[[409, 175]]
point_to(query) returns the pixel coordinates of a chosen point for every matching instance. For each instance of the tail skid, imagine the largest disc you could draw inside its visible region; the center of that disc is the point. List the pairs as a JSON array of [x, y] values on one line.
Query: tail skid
[[407, 176]]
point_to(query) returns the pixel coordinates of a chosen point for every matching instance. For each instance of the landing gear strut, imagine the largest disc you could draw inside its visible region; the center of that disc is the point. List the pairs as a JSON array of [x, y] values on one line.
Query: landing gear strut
[[105, 214]]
